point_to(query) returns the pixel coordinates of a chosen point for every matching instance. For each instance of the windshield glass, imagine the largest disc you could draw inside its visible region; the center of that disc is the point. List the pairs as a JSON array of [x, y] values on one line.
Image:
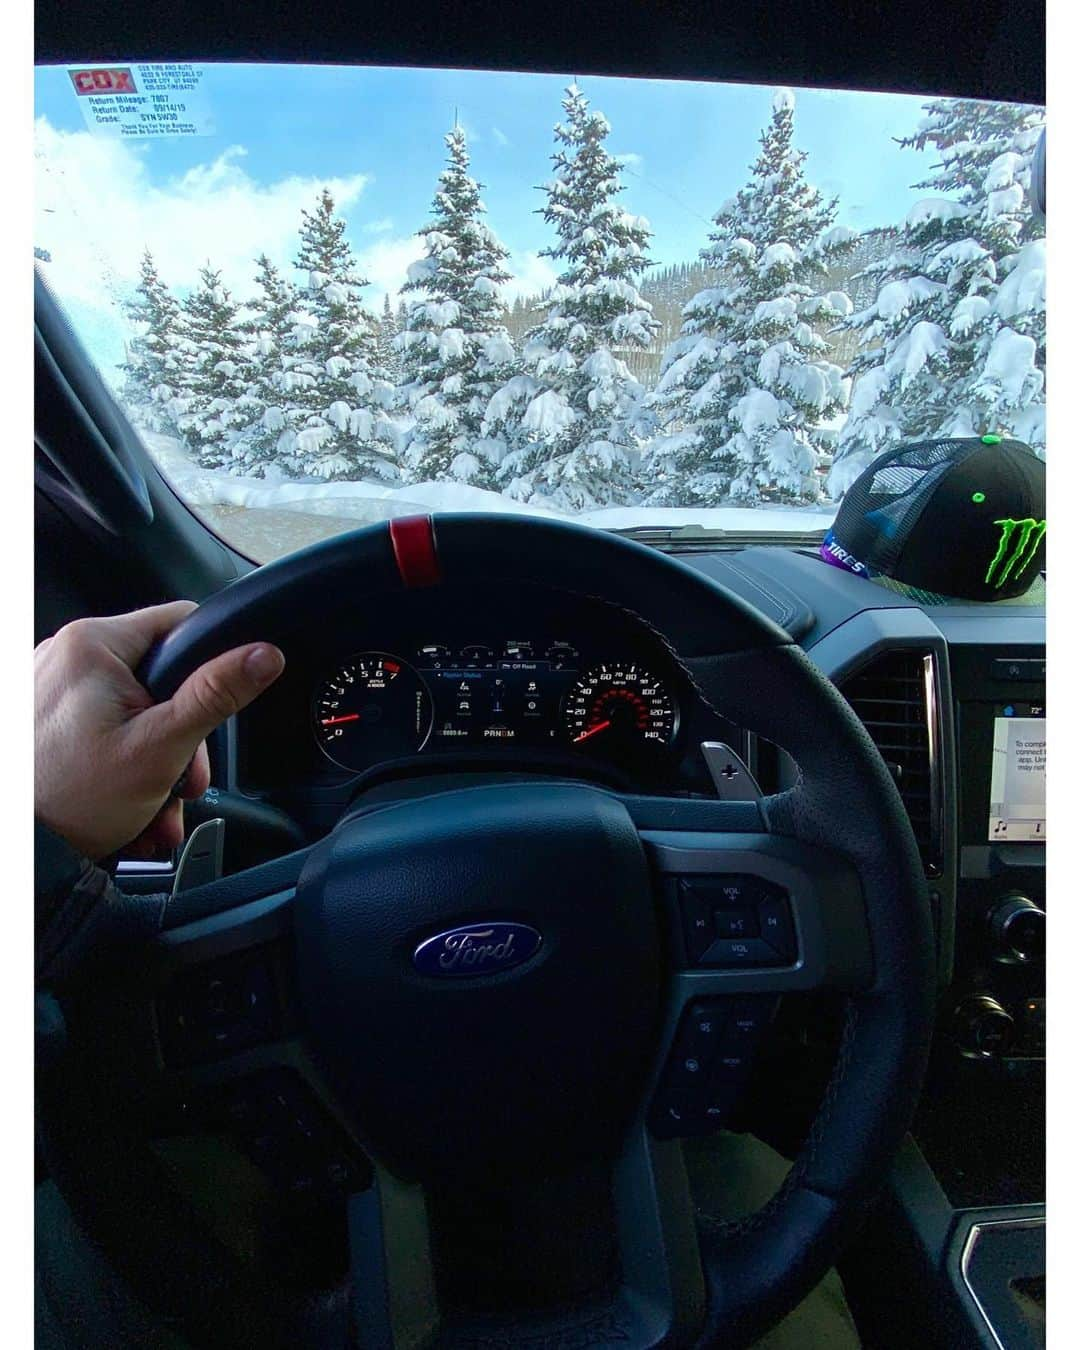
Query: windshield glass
[[327, 296]]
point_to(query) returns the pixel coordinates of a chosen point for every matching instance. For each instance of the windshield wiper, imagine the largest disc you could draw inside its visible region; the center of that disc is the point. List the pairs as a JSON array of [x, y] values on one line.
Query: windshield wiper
[[702, 539]]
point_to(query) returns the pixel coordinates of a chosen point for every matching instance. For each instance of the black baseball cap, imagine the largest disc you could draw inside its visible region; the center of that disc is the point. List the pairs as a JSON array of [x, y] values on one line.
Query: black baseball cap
[[963, 517]]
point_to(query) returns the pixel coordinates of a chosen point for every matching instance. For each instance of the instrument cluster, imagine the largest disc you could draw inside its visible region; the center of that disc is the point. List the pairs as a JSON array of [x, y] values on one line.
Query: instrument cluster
[[377, 705]]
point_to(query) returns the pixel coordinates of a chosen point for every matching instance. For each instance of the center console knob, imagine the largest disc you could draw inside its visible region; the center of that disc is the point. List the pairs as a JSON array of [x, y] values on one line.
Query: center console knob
[[983, 1027], [1018, 929]]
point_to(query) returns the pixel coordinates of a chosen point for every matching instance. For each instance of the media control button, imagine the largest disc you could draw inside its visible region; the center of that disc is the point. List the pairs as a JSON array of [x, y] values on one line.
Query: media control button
[[736, 952], [776, 926]]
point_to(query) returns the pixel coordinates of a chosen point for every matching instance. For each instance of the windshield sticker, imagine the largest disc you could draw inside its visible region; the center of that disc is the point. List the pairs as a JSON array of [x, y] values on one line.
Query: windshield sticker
[[141, 101]]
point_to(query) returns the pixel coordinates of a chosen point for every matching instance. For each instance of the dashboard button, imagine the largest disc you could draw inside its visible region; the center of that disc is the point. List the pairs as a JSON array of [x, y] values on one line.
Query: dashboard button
[[1019, 668]]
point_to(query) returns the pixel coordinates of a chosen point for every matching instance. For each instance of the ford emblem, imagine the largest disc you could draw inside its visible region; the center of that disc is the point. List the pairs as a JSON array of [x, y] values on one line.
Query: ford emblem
[[479, 949]]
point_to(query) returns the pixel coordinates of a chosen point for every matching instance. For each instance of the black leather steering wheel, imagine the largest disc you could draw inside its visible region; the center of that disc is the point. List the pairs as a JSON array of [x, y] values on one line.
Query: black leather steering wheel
[[498, 1084]]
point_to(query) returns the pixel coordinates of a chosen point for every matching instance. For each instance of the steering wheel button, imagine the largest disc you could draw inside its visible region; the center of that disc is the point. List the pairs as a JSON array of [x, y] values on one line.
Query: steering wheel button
[[740, 921], [747, 1019], [697, 925], [735, 952], [731, 1066], [774, 914]]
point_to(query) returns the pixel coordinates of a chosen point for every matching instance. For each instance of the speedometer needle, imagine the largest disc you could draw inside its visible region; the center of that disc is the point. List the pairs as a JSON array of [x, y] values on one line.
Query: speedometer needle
[[592, 731], [333, 721]]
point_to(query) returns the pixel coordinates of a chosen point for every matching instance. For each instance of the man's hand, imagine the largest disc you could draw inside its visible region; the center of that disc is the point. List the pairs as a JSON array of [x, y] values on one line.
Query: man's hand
[[106, 756]]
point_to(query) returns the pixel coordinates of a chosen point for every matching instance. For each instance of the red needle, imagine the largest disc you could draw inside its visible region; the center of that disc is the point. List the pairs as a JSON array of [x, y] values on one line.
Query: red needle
[[333, 721], [592, 731]]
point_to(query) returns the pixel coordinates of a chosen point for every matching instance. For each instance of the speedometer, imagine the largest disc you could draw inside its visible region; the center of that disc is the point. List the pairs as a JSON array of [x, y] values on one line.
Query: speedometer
[[373, 707], [613, 708]]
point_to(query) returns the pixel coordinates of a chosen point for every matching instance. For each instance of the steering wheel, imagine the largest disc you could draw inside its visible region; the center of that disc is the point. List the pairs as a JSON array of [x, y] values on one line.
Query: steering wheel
[[490, 988]]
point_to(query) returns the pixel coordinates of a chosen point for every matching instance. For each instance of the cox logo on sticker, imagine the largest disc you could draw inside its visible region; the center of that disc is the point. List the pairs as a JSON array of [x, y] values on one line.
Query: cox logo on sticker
[[105, 80]]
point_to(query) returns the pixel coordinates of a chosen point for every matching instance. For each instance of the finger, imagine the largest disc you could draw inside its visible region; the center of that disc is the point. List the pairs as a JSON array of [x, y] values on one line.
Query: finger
[[164, 833], [196, 777], [130, 636], [213, 693]]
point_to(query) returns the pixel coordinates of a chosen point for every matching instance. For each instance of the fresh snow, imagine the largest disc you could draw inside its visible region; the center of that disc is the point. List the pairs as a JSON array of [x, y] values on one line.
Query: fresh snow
[[937, 210], [370, 501], [791, 363], [1024, 290]]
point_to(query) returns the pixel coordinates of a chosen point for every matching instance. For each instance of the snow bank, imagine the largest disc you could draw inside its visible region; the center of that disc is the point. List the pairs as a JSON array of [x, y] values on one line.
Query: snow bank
[[367, 502]]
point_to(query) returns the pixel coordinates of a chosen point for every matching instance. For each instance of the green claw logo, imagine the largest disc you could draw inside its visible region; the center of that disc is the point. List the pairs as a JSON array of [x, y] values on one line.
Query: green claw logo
[[1016, 549]]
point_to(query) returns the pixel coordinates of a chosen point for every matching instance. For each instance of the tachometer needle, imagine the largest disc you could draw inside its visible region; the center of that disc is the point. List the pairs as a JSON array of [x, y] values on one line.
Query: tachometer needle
[[333, 721], [592, 731]]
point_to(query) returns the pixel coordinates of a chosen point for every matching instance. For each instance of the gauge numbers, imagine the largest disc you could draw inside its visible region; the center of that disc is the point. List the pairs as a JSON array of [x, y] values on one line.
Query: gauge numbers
[[618, 708], [373, 707]]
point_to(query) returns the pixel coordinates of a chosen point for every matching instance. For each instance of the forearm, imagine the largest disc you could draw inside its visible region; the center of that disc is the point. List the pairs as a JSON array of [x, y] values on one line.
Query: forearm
[[75, 905]]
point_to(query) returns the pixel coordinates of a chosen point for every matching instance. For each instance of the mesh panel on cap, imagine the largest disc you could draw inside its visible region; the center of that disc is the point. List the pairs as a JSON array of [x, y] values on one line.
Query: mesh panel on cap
[[880, 508]]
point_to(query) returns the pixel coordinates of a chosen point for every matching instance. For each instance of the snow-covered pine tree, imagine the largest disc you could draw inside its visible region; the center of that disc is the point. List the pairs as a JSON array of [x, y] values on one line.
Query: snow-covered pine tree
[[268, 407], [572, 414], [748, 383], [337, 393], [387, 358], [214, 376], [455, 351], [955, 342], [156, 354]]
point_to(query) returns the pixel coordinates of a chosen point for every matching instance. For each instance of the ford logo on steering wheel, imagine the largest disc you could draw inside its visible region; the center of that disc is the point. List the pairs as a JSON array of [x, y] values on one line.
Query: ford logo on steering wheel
[[478, 949]]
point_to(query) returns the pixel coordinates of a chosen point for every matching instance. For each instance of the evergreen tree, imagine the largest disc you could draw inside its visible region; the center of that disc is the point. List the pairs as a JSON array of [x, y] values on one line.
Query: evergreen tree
[[455, 351], [271, 345], [954, 344], [214, 377], [387, 358], [747, 384], [338, 397], [155, 355], [572, 415]]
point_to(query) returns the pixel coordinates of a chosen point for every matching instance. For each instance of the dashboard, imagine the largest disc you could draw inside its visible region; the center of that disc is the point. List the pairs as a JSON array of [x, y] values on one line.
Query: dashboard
[[530, 681]]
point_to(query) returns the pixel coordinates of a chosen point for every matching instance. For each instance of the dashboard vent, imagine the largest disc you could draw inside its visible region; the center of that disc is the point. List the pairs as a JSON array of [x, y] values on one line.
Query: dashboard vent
[[895, 698]]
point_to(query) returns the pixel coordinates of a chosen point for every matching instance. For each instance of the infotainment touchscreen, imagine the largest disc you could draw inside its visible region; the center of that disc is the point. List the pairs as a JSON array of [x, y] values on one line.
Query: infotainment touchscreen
[[1018, 776]]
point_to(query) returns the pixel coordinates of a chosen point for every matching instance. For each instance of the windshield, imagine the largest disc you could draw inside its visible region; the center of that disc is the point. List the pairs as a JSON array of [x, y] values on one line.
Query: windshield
[[327, 296]]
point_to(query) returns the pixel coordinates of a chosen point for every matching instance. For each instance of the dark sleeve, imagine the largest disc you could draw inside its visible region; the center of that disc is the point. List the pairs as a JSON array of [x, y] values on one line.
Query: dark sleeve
[[76, 906]]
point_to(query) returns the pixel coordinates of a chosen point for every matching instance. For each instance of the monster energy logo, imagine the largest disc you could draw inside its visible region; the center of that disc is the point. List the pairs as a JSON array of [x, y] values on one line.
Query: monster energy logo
[[1016, 548]]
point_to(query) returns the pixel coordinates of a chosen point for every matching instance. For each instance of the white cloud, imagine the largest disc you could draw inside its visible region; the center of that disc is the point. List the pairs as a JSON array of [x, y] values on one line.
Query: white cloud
[[500, 137], [97, 210], [385, 264], [629, 159], [215, 212], [529, 275]]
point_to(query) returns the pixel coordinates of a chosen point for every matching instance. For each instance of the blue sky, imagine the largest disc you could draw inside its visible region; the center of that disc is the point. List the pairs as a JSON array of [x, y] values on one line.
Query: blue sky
[[279, 131]]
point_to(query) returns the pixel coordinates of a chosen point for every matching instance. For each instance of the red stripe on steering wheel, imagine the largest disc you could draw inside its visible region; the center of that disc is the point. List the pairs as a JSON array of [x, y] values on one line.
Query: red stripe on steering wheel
[[413, 539]]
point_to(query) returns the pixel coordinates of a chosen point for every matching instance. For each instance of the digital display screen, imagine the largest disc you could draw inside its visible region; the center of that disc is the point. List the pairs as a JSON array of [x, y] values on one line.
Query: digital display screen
[[1018, 774], [496, 700]]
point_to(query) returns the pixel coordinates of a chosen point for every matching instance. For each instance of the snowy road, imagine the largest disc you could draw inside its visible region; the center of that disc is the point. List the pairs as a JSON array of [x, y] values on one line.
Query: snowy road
[[263, 535]]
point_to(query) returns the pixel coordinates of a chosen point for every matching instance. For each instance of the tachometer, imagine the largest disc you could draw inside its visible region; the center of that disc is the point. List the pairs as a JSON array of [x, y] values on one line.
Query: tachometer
[[373, 707], [613, 708]]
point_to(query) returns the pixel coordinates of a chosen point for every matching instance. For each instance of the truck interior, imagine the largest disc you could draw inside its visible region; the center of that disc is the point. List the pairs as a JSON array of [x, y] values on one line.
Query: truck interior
[[468, 1042]]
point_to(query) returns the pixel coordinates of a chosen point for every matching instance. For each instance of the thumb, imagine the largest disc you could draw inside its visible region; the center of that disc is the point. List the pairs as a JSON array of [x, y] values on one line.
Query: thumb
[[213, 693]]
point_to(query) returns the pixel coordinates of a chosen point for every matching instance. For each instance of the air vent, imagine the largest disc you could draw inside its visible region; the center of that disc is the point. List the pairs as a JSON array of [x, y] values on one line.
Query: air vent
[[895, 698]]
